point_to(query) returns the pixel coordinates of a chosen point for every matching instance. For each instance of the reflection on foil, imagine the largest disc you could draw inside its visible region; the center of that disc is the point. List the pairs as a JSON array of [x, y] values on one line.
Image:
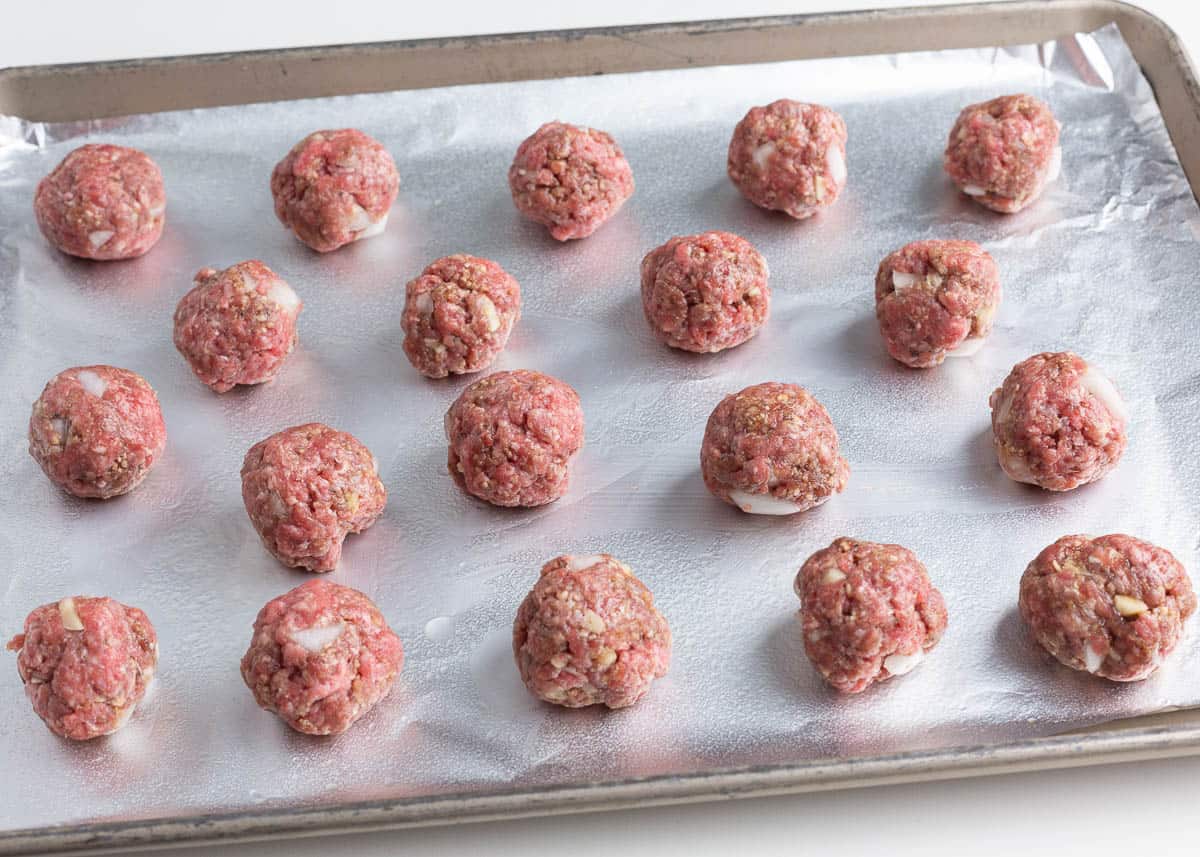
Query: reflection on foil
[[1104, 264]]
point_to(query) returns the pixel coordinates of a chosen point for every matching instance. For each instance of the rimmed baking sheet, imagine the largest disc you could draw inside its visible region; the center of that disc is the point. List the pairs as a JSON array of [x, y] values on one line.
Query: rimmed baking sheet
[[1100, 266]]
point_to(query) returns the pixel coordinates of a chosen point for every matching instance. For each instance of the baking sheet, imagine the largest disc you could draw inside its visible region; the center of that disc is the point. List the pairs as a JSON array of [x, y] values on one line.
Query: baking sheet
[[1103, 265]]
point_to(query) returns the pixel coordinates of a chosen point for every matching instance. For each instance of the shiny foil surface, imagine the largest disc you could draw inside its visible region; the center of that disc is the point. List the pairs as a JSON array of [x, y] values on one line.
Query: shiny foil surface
[[1104, 264]]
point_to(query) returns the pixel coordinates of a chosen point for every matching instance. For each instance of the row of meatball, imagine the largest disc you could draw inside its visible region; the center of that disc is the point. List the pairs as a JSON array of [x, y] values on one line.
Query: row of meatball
[[333, 188], [702, 293], [336, 187], [771, 448], [322, 655]]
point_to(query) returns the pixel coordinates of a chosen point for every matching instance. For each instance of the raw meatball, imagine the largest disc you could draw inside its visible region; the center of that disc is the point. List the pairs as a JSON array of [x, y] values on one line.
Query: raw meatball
[[1001, 153], [321, 657], [102, 202], [512, 437], [1112, 606], [936, 299], [588, 632], [335, 187], [458, 315], [1057, 422], [237, 326], [97, 430], [772, 450], [86, 663], [569, 179], [306, 488], [790, 157], [705, 292], [869, 612]]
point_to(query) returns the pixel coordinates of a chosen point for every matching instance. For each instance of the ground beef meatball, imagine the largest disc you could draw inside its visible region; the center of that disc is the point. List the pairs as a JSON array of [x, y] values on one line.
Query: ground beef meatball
[[335, 187], [237, 326], [306, 488], [772, 450], [705, 292], [1113, 606], [86, 663], [868, 612], [512, 436], [1058, 422], [790, 157], [936, 299], [97, 430], [588, 632], [458, 315], [569, 179], [102, 202], [321, 657], [1001, 153]]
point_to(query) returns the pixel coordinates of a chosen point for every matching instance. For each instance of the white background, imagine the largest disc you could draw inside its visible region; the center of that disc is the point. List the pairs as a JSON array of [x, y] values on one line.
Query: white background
[[1147, 808]]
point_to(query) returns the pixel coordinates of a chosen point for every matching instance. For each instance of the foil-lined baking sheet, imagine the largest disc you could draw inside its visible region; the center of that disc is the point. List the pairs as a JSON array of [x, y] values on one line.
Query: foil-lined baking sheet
[[1104, 265]]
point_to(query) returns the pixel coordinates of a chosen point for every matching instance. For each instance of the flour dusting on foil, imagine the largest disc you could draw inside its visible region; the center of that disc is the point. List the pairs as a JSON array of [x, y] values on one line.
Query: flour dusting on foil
[[1103, 264]]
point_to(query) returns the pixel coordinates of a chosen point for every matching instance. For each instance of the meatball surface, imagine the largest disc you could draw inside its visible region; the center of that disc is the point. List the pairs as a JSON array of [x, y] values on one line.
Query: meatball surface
[[102, 202], [458, 315], [1003, 152], [97, 430], [868, 612], [705, 292], [306, 488], [237, 326], [1057, 422], [772, 449], [588, 633], [86, 663], [936, 299], [789, 156], [569, 179], [321, 657], [335, 187], [1113, 606], [512, 436]]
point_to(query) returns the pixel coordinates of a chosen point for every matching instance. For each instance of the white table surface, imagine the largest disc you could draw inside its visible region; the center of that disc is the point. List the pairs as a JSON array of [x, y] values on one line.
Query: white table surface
[[1147, 808]]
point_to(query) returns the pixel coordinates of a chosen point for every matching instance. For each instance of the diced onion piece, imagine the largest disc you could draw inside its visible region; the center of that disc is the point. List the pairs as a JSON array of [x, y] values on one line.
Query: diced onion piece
[[1015, 466], [1099, 386], [100, 237], [904, 280], [579, 563], [973, 190], [69, 616], [92, 383], [837, 164], [487, 309], [762, 155], [284, 295], [1091, 658], [315, 639], [762, 504], [898, 664], [359, 220], [1128, 606], [372, 229]]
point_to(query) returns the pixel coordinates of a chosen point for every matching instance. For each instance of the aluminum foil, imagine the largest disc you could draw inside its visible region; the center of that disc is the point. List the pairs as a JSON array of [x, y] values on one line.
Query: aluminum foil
[[1104, 265]]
